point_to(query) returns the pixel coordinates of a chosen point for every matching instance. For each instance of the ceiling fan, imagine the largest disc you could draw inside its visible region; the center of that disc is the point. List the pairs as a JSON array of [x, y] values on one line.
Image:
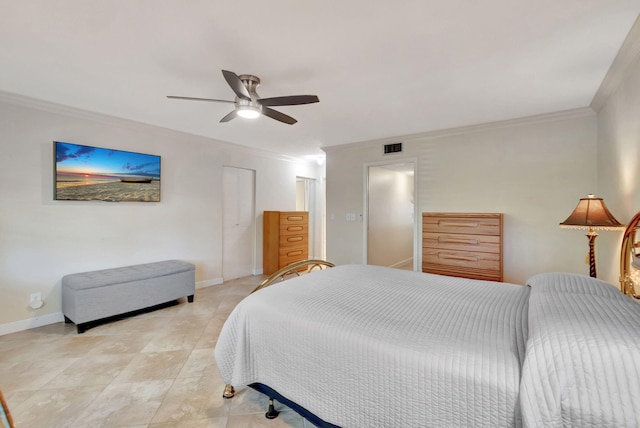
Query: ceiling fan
[[248, 102]]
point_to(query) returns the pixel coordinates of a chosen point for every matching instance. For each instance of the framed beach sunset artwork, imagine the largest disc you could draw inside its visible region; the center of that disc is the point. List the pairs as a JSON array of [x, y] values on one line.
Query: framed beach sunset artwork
[[86, 173]]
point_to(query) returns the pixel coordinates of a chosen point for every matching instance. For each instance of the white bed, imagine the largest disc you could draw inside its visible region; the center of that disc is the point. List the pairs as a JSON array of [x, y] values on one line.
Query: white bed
[[365, 346]]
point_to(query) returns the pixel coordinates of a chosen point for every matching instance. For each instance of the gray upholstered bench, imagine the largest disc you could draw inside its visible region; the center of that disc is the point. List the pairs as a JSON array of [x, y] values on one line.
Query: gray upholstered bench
[[92, 296]]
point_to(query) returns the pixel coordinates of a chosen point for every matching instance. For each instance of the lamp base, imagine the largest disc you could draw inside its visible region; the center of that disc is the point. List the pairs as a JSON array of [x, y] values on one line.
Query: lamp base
[[592, 235]]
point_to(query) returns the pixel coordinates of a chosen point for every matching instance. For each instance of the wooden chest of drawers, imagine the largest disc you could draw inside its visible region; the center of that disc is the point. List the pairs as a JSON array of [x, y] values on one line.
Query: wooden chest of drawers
[[285, 239], [462, 244]]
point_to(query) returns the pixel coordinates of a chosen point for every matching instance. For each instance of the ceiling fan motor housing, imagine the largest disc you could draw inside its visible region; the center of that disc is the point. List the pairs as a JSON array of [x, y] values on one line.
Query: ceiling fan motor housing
[[251, 83]]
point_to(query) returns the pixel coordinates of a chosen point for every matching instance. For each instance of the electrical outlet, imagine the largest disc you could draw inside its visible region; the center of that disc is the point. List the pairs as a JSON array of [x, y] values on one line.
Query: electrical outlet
[[35, 298]]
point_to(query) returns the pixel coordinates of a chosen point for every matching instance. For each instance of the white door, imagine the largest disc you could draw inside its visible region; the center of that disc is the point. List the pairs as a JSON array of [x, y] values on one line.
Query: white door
[[238, 220]]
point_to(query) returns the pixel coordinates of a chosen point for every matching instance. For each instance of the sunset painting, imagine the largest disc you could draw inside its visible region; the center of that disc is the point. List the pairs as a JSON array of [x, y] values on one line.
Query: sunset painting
[[85, 173]]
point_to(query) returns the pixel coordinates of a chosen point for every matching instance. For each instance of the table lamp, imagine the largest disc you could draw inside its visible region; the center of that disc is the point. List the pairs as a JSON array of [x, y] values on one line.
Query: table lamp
[[591, 213]]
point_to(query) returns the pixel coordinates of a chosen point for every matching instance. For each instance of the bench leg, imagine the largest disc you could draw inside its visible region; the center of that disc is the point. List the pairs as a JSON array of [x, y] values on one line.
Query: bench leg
[[80, 328], [190, 298]]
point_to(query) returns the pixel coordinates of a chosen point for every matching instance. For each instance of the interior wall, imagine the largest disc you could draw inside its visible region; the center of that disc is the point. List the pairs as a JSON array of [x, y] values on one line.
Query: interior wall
[[389, 217], [619, 150], [42, 240], [533, 170]]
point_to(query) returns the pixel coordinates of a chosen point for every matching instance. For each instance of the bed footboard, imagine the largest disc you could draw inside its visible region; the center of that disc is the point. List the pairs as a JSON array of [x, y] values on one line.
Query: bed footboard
[[294, 269]]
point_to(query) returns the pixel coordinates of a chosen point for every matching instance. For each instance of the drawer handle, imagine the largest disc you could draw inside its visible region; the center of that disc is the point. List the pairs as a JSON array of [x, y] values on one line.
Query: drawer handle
[[449, 240], [294, 228], [294, 218], [445, 223], [294, 253], [295, 239], [454, 257]]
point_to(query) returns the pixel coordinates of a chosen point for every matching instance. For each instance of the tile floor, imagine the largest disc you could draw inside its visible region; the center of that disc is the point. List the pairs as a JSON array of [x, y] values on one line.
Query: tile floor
[[154, 370]]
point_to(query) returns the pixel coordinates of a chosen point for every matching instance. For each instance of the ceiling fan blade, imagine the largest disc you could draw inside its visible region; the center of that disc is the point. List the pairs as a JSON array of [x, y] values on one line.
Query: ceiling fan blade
[[291, 100], [230, 116], [236, 84], [273, 114], [175, 97]]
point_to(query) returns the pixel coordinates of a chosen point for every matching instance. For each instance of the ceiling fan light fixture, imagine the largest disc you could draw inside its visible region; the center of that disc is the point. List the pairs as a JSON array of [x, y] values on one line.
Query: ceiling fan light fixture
[[248, 112], [248, 103]]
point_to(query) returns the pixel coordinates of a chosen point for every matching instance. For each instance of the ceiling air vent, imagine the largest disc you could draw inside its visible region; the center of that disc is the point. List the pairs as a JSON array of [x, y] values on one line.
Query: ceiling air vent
[[392, 148]]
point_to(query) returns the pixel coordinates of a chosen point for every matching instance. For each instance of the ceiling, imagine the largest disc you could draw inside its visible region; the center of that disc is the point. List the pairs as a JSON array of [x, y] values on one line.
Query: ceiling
[[380, 68]]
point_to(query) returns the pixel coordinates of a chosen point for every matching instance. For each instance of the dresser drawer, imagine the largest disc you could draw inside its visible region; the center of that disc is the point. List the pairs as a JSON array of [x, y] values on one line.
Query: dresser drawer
[[287, 241], [294, 229], [461, 242], [461, 225], [485, 275], [293, 218], [466, 259], [290, 255]]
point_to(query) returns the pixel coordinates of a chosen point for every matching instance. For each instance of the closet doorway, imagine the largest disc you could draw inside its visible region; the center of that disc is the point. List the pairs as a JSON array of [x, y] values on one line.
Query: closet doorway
[[238, 222], [391, 217]]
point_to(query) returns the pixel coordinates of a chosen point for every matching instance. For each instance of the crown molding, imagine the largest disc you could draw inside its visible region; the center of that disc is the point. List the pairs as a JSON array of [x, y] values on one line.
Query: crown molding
[[627, 57], [54, 108], [471, 129]]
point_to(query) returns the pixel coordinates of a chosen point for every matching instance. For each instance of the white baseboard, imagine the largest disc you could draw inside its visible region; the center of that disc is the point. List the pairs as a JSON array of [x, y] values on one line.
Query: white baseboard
[[208, 283], [16, 326], [402, 262], [257, 272]]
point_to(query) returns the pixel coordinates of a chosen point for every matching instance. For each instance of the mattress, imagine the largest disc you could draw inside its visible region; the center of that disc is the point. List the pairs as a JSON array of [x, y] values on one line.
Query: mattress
[[365, 346]]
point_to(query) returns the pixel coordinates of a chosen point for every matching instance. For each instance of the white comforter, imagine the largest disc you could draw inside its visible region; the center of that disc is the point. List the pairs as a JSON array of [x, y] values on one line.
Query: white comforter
[[583, 354], [364, 346]]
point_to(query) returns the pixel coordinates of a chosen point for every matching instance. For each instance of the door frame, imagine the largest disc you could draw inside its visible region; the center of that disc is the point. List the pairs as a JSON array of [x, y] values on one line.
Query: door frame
[[416, 211], [253, 221], [310, 194]]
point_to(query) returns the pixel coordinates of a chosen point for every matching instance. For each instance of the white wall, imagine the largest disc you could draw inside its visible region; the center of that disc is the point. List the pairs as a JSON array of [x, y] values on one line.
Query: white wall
[[41, 239], [533, 170], [618, 107]]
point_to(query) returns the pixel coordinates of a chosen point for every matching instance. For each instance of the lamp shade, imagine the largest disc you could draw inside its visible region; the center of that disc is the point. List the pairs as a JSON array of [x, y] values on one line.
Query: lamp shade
[[591, 212]]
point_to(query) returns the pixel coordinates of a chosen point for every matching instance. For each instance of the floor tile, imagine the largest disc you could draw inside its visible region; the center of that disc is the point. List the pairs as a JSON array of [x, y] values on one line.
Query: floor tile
[[200, 363], [51, 408], [124, 405], [92, 369], [121, 344], [172, 341], [31, 375], [152, 370], [193, 398], [287, 418], [153, 366], [199, 423]]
